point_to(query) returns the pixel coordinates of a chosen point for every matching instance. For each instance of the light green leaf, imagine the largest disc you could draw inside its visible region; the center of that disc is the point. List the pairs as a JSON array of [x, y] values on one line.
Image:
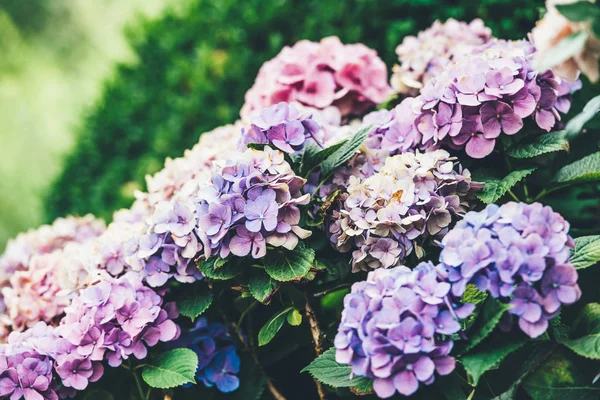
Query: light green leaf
[[171, 369], [294, 318], [219, 269], [587, 346], [579, 11], [289, 265], [576, 124], [262, 286], [313, 158], [586, 252], [565, 49], [584, 170], [344, 152], [588, 320], [588, 325], [546, 143], [194, 299], [327, 370], [270, 329], [486, 322], [487, 357], [494, 189]]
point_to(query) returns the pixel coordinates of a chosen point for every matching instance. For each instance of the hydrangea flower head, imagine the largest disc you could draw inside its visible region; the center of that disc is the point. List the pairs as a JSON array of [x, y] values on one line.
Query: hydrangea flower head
[[424, 56], [413, 198], [219, 362], [351, 77], [490, 93], [395, 328], [283, 127], [516, 252]]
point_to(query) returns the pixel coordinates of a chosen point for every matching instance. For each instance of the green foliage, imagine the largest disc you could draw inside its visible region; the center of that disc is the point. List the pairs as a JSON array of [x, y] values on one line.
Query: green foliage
[[588, 325], [327, 370], [270, 329], [488, 319], [195, 64], [586, 169], [194, 300], [294, 318], [171, 369], [579, 11], [219, 269], [547, 143], [586, 252], [496, 188], [286, 266], [344, 152], [261, 286], [98, 394]]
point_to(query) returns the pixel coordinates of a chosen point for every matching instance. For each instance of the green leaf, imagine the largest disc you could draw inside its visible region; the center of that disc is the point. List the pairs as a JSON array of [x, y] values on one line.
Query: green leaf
[[294, 318], [313, 158], [344, 152], [220, 269], [576, 124], [486, 357], [588, 325], [270, 329], [486, 322], [584, 170], [565, 49], [171, 369], [287, 266], [262, 286], [327, 370], [98, 394], [494, 189], [586, 252], [561, 378], [194, 299], [547, 143], [580, 11]]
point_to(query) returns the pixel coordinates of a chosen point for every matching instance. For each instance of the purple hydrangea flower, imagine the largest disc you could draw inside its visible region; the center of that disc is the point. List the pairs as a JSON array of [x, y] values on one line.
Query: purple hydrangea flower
[[516, 252], [283, 127], [218, 361], [395, 328]]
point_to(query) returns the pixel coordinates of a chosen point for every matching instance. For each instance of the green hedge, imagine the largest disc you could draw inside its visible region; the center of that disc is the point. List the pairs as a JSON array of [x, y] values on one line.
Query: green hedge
[[194, 66]]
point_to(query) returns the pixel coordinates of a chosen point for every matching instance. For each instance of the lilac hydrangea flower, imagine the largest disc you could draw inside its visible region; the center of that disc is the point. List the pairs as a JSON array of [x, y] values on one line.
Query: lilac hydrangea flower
[[487, 92], [414, 198], [218, 361], [283, 127], [395, 328], [516, 252]]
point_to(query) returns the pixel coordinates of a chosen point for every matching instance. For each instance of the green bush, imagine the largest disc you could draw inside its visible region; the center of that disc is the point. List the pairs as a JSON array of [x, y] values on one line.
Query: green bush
[[194, 66]]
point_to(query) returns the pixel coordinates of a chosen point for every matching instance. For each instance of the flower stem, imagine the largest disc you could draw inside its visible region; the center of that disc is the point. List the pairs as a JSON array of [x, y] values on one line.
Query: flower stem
[[515, 198], [313, 322], [137, 382]]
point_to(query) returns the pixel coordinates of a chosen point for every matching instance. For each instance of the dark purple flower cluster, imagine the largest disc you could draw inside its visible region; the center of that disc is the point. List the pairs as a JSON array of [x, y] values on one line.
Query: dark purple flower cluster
[[218, 361], [252, 202], [519, 252], [489, 93], [395, 328], [281, 126]]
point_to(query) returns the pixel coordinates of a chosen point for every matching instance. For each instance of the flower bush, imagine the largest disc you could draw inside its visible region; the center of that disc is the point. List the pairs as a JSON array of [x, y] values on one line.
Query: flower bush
[[407, 240]]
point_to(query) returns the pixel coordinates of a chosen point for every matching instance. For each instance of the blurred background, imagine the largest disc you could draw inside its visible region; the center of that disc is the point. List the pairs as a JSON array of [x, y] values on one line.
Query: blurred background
[[95, 94]]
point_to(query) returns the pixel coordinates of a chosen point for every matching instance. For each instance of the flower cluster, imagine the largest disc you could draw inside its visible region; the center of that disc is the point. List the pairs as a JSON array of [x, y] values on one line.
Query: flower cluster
[[42, 292], [194, 168], [218, 361], [351, 77], [282, 127], [413, 198], [483, 95], [519, 252], [424, 56], [395, 325]]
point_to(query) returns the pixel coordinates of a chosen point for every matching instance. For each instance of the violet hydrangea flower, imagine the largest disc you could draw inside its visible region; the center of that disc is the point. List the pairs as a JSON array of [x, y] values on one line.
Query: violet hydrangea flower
[[218, 361], [412, 199], [395, 328], [518, 253]]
